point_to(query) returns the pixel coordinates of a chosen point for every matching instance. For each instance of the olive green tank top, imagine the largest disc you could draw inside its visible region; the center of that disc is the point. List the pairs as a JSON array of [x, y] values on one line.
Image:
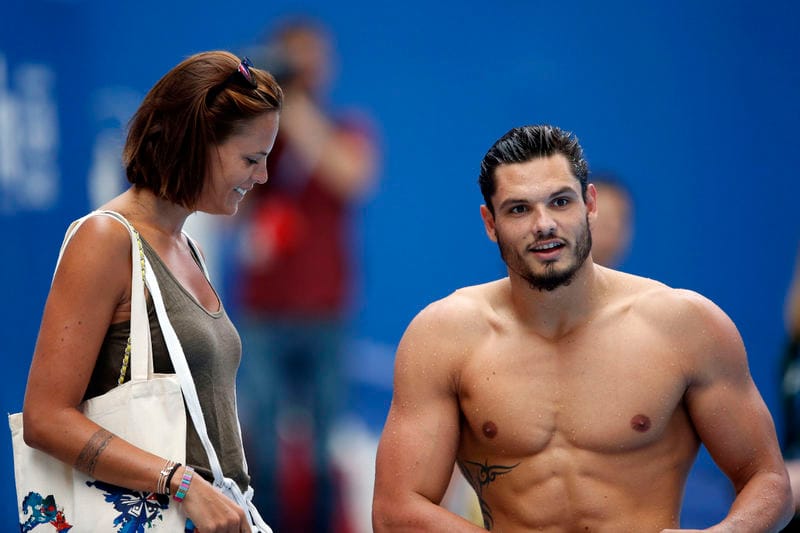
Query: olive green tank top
[[213, 350]]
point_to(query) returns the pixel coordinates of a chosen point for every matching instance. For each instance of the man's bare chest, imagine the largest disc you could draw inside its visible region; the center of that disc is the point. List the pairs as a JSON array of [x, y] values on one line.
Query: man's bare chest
[[602, 393]]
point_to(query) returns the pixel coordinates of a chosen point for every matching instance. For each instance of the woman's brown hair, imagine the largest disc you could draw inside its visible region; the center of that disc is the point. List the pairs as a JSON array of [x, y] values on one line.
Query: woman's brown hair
[[198, 104]]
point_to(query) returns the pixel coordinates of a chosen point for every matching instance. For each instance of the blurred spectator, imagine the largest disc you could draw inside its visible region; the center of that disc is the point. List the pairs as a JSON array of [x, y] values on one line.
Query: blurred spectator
[[793, 304], [790, 390], [294, 284], [613, 229]]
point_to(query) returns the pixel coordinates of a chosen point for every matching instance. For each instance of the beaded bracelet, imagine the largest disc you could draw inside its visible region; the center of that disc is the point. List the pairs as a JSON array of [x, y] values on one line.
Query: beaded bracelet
[[180, 494]]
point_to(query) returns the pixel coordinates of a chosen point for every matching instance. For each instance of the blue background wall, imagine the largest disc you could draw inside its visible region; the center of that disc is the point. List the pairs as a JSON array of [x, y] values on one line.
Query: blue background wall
[[694, 103]]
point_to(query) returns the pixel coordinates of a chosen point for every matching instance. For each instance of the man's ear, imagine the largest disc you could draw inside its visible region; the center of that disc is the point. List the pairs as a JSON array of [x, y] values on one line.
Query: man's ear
[[591, 203], [488, 223]]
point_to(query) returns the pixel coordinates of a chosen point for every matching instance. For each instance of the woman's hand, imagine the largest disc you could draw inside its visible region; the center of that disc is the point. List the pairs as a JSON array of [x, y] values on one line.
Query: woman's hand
[[211, 511]]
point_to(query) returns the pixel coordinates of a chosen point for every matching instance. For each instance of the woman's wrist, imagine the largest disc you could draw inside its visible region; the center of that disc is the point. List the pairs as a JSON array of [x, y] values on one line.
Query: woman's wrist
[[168, 483], [181, 485]]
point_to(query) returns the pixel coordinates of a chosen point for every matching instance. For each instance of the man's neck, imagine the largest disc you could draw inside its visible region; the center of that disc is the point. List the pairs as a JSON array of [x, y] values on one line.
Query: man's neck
[[553, 314]]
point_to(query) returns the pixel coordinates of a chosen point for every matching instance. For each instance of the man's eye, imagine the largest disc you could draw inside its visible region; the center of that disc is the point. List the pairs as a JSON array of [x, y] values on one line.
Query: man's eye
[[251, 161], [560, 202], [517, 209]]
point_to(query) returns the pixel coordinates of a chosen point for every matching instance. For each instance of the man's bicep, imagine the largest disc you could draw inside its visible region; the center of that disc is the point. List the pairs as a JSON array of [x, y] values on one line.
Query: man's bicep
[[729, 413], [736, 427], [419, 440], [416, 453]]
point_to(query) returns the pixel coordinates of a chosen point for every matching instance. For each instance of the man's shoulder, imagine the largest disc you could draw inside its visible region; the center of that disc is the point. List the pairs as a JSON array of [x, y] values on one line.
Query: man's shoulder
[[474, 299], [468, 309], [666, 301], [641, 291], [695, 332], [446, 331], [677, 312]]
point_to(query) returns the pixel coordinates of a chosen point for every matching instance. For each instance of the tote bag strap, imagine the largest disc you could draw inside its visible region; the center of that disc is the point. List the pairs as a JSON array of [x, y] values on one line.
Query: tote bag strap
[[178, 359], [170, 337], [141, 344], [141, 348], [196, 249]]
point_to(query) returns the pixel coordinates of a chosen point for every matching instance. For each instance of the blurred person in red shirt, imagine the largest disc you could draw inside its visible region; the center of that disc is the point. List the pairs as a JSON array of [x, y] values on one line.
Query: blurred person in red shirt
[[294, 277]]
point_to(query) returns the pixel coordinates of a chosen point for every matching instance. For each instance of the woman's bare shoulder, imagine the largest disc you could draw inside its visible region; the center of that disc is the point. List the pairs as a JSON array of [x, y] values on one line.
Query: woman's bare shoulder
[[100, 250]]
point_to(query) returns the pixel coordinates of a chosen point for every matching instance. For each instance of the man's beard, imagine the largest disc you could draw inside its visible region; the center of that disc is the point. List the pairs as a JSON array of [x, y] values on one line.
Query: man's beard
[[551, 278]]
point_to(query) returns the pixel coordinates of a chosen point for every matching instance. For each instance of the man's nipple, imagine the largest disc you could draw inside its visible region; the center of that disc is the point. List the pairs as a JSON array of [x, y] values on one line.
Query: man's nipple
[[489, 429], [640, 423]]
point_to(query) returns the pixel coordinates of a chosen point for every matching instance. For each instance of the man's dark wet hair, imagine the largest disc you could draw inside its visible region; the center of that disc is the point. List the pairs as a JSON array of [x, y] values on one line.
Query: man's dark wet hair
[[531, 142]]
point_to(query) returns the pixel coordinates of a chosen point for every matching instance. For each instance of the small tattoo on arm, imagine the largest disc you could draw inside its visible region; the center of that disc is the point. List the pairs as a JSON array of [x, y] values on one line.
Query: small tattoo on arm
[[479, 475], [87, 459]]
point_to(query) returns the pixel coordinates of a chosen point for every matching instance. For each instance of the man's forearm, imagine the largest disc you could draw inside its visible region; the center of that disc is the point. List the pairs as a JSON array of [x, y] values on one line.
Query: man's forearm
[[417, 515], [763, 505]]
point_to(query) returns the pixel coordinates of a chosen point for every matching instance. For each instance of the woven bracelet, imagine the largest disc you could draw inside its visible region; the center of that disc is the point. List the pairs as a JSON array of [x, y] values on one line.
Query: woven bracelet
[[180, 494]]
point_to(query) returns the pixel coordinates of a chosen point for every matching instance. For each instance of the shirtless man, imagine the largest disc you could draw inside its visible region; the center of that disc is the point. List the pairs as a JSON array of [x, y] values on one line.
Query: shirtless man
[[573, 397]]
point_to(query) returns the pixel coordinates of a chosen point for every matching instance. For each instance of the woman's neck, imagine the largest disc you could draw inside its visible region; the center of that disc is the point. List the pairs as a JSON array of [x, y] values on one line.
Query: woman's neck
[[143, 208]]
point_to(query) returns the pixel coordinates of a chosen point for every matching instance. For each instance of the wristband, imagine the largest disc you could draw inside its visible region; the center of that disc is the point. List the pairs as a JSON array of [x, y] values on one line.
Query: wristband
[[180, 494], [168, 484]]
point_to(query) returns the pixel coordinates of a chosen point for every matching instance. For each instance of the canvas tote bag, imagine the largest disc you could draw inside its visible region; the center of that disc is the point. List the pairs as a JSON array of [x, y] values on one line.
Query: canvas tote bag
[[147, 411]]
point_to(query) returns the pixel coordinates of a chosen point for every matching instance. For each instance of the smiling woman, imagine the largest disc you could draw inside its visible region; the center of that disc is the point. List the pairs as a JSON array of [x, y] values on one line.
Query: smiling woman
[[199, 141], [215, 102], [237, 165]]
